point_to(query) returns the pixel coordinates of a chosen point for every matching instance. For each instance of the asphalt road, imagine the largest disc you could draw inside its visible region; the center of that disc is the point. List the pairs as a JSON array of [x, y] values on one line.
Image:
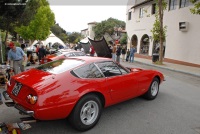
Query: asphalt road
[[176, 110]]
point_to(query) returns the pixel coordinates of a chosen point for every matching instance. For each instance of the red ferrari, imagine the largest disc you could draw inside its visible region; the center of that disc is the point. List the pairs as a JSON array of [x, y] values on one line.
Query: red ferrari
[[79, 88]]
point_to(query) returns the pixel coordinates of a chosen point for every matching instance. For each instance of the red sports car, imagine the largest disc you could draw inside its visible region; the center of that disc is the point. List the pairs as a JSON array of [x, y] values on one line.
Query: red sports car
[[79, 88], [61, 54]]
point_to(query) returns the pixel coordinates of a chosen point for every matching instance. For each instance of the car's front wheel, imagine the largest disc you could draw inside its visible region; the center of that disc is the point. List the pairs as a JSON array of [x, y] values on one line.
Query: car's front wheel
[[86, 113], [153, 90]]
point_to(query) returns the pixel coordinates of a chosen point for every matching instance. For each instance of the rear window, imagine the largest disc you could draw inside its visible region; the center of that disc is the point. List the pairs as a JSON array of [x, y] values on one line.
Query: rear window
[[59, 66]]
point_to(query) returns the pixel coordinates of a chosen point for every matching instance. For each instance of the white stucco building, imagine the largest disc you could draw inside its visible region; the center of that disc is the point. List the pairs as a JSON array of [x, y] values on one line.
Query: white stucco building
[[183, 30], [88, 32]]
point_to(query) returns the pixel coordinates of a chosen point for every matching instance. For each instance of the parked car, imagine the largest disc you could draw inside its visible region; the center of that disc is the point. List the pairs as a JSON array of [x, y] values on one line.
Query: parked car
[[61, 54], [79, 88]]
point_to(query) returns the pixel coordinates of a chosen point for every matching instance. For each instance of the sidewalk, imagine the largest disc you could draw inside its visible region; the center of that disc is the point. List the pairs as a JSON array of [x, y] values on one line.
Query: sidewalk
[[195, 71]]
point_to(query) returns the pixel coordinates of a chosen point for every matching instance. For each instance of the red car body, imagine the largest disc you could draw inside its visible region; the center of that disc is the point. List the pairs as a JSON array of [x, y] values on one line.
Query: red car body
[[58, 93]]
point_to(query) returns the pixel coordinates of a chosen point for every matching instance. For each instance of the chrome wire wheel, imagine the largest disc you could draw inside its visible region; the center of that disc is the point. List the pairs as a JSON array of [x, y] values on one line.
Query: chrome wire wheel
[[154, 88], [89, 112]]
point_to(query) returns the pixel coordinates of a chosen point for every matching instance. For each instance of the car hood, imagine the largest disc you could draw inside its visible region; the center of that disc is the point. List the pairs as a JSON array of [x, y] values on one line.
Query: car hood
[[101, 48], [34, 78]]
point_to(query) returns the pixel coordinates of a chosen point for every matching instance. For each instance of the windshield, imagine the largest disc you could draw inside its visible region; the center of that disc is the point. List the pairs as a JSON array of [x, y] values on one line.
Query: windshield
[[58, 53], [59, 66]]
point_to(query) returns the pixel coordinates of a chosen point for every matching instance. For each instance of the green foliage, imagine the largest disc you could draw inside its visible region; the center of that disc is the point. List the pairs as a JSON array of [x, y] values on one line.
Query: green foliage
[[2, 35], [39, 27], [107, 26], [74, 37], [123, 39], [196, 8], [10, 14], [159, 31], [31, 9], [59, 32], [157, 24]]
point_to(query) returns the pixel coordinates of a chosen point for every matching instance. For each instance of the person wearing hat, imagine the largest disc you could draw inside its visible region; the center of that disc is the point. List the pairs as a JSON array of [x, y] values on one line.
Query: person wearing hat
[[18, 56]]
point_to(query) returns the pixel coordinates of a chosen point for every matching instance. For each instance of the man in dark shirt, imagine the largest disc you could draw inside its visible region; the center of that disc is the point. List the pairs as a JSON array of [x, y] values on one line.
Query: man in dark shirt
[[41, 53], [118, 53]]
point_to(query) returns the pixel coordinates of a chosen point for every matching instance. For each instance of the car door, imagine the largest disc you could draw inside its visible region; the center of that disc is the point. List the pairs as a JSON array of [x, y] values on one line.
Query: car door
[[121, 84]]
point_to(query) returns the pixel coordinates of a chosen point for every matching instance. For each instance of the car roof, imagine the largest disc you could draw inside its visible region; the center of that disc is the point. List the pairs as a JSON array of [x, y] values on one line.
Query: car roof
[[91, 59]]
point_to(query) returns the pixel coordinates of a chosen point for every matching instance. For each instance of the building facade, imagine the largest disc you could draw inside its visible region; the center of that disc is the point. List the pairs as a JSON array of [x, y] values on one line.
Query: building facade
[[89, 31], [181, 45]]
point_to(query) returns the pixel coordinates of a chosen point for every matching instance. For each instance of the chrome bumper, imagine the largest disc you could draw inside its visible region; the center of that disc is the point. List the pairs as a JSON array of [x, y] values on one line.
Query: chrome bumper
[[21, 109]]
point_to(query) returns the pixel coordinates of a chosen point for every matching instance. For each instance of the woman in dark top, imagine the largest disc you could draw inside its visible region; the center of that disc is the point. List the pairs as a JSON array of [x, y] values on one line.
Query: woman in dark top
[[41, 53]]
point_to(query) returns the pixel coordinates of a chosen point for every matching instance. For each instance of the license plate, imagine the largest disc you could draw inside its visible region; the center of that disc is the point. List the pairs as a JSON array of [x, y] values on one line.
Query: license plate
[[16, 89], [45, 61]]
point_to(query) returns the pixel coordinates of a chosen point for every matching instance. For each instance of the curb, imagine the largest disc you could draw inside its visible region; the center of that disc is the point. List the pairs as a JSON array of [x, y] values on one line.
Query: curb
[[196, 75]]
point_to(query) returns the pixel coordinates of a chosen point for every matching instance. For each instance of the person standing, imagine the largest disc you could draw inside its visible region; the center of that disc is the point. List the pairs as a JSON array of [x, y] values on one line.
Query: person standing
[[18, 56], [114, 49], [132, 51], [92, 51], [41, 53], [118, 53], [23, 46], [127, 55], [123, 53]]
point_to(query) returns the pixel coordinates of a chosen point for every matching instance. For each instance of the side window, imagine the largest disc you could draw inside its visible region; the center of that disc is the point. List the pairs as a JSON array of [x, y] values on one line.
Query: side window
[[69, 55], [79, 54], [109, 68], [88, 71], [122, 70]]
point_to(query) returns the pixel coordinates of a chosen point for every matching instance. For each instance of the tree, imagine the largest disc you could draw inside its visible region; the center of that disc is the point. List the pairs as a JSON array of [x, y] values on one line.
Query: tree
[[123, 39], [159, 31], [10, 14], [39, 27], [31, 9], [59, 32], [196, 8], [74, 37], [107, 26]]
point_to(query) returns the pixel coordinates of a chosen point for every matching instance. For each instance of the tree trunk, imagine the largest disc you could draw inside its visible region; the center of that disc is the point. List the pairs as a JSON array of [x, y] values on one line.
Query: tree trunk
[[161, 31], [1, 49]]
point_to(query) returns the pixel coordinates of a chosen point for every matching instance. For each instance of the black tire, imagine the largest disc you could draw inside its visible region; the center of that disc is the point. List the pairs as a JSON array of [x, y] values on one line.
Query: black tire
[[90, 108], [153, 90]]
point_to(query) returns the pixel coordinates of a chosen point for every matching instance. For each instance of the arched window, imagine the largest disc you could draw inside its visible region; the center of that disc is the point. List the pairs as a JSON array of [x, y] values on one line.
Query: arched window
[[144, 45]]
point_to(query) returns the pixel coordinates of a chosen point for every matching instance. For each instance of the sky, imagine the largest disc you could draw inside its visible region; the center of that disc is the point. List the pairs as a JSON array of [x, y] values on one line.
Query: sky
[[74, 16]]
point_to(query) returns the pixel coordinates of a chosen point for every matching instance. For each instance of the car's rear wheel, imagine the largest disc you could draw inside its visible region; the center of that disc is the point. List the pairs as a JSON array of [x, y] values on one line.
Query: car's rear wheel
[[153, 90], [86, 113]]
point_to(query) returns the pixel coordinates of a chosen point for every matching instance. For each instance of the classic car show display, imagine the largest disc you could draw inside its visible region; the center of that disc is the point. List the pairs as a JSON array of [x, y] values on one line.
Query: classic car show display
[[78, 88]]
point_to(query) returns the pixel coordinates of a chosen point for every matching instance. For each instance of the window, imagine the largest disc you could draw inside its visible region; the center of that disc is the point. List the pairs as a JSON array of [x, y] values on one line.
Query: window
[[184, 3], [153, 9], [88, 71], [69, 55], [59, 66], [172, 4], [110, 69], [129, 15], [141, 13], [79, 53]]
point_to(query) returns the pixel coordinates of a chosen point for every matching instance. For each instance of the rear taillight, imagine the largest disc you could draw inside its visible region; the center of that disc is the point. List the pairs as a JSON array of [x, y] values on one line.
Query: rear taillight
[[32, 99]]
